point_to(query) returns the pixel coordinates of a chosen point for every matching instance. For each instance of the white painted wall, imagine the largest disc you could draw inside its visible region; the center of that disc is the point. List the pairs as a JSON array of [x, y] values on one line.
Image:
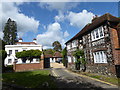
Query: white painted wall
[[19, 48]]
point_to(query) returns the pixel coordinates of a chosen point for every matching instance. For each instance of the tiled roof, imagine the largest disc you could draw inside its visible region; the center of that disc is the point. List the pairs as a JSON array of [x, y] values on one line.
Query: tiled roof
[[57, 54], [96, 23], [48, 56], [26, 43]]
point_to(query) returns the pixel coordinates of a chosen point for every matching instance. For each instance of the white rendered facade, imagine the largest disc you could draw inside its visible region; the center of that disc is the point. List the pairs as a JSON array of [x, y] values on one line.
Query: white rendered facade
[[12, 49]]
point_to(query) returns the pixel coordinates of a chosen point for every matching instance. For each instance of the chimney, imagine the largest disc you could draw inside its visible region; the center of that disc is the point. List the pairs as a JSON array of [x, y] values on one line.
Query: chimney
[[94, 17], [20, 40], [34, 40]]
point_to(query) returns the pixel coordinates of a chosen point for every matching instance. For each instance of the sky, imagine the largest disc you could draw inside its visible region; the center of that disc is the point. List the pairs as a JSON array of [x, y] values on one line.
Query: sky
[[52, 21]]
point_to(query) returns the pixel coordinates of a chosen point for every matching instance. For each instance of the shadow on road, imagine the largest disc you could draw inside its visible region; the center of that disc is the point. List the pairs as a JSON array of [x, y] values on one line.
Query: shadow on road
[[74, 83]]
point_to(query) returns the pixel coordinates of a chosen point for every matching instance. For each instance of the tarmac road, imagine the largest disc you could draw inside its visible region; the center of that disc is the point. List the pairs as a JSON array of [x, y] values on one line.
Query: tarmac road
[[67, 79]]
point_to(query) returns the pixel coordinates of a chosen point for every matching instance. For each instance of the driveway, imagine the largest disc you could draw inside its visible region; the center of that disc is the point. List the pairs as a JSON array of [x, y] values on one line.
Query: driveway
[[56, 65], [67, 79]]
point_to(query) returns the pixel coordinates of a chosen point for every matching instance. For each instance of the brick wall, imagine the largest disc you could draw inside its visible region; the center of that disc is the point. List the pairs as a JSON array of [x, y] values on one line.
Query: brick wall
[[115, 46], [28, 66]]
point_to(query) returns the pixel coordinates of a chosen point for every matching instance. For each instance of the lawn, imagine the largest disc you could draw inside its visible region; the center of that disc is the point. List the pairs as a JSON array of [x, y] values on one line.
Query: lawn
[[29, 79]]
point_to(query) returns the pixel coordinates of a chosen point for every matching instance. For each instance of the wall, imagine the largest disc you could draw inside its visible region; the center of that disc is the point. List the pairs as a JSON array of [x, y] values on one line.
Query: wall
[[19, 48], [103, 44], [29, 66], [115, 46], [102, 69]]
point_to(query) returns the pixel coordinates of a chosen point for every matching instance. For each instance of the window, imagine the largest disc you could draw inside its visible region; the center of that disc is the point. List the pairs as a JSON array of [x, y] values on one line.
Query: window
[[69, 59], [10, 52], [74, 44], [9, 61], [101, 31], [37, 59], [16, 51], [68, 47], [74, 59], [97, 33], [100, 57]]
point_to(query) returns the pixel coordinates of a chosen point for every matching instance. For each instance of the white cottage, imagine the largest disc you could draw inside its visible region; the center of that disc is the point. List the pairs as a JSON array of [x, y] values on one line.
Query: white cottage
[[18, 47]]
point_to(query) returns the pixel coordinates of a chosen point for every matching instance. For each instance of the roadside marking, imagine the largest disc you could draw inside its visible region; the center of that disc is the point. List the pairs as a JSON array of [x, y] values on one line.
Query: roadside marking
[[92, 78]]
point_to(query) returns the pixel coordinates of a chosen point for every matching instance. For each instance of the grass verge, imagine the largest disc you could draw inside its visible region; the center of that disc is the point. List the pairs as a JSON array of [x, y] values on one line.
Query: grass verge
[[29, 79], [112, 80]]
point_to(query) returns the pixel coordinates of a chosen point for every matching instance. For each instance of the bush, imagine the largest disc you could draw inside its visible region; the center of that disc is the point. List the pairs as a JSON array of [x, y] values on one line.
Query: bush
[[29, 54]]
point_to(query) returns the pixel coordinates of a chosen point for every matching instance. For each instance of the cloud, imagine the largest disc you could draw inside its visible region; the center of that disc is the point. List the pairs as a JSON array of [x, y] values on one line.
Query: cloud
[[59, 6], [52, 34], [80, 19], [66, 34], [60, 17], [24, 23]]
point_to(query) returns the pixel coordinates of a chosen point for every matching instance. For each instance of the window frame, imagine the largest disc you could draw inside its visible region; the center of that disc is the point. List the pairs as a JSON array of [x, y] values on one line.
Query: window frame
[[9, 52], [9, 61], [15, 51], [100, 57], [98, 31]]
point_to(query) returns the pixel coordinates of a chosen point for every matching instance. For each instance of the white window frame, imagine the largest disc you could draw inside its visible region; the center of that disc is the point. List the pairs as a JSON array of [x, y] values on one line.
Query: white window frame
[[68, 46], [74, 44], [69, 59], [100, 57], [9, 52], [93, 33], [9, 62], [15, 51]]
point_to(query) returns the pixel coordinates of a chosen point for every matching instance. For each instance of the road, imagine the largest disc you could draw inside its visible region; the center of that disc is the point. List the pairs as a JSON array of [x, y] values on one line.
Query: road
[[67, 79]]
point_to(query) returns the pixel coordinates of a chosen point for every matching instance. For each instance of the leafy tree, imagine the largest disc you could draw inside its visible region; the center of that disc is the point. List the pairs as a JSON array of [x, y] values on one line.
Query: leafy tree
[[49, 51], [10, 32], [64, 56], [57, 46], [3, 55], [2, 45], [29, 54], [80, 59]]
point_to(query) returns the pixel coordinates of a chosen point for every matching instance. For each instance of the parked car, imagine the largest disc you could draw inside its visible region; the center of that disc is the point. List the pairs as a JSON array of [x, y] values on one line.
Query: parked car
[[59, 61]]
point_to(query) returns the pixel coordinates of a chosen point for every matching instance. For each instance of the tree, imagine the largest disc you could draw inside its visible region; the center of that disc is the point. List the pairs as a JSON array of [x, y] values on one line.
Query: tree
[[64, 56], [10, 32], [29, 54], [3, 55], [2, 45], [49, 51], [57, 46], [80, 59]]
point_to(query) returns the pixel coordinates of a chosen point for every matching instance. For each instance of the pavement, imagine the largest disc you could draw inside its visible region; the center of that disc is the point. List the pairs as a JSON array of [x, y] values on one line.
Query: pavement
[[67, 79]]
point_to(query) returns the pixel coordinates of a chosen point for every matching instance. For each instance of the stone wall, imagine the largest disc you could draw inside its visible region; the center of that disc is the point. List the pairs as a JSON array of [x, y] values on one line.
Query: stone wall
[[102, 69], [28, 66]]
